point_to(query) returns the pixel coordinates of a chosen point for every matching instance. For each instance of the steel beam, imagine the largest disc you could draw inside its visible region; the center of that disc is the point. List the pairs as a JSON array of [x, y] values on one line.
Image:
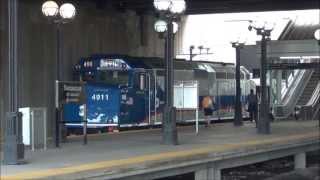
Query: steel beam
[[290, 48]]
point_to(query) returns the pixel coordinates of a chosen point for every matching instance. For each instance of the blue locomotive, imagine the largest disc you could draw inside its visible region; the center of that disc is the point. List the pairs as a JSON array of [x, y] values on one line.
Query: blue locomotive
[[125, 91]]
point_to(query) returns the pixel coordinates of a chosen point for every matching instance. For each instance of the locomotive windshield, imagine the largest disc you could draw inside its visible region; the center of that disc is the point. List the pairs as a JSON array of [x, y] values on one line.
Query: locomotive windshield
[[113, 77]]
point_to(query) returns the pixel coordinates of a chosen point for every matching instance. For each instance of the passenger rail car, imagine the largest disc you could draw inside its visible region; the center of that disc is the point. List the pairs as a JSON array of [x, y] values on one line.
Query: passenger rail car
[[126, 91]]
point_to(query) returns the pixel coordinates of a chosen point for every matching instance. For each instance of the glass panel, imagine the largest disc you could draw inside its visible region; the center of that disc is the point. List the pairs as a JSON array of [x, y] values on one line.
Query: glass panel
[[113, 77]]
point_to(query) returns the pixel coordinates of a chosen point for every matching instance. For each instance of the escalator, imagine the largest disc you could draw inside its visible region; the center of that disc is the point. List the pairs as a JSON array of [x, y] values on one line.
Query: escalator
[[309, 89], [309, 103], [302, 89], [301, 96]]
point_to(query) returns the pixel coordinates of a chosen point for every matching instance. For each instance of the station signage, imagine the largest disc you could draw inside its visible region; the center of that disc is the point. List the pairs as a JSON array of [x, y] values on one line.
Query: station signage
[[72, 93], [69, 92]]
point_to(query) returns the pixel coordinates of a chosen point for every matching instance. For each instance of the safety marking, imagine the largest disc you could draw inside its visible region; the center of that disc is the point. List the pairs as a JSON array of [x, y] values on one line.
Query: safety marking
[[137, 131], [105, 165]]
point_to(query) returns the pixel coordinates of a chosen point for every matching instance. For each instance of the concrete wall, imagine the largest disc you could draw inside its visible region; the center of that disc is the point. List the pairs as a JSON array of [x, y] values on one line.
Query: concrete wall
[[92, 31]]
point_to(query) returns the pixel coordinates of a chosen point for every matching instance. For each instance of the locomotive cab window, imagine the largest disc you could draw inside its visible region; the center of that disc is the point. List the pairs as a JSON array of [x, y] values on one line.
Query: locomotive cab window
[[113, 77], [140, 81]]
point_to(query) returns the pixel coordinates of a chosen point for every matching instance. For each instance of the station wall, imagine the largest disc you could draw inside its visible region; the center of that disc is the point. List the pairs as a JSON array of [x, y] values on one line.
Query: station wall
[[92, 31]]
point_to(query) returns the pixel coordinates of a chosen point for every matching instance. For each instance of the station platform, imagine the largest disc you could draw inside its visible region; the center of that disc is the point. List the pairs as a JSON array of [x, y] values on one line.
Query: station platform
[[139, 154]]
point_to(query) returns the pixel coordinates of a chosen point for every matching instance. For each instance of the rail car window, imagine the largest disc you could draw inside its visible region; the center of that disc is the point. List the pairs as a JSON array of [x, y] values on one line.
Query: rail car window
[[200, 74], [113, 77], [241, 75], [140, 81], [220, 75], [230, 76]]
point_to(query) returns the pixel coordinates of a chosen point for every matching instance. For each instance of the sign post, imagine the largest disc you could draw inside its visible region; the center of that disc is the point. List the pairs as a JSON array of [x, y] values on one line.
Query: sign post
[[71, 92]]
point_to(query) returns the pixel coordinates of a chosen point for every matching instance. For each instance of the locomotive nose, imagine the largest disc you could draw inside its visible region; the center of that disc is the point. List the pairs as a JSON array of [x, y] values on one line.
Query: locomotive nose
[[103, 104]]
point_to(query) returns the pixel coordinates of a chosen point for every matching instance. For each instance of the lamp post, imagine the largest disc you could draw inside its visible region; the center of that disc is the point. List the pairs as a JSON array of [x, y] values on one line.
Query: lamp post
[[58, 16], [169, 11], [264, 30], [238, 107]]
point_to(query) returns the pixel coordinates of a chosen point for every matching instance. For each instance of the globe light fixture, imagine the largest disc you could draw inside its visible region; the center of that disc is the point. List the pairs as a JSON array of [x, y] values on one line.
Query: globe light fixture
[[175, 27], [269, 26], [50, 9], [160, 26], [258, 24], [177, 6], [67, 11], [162, 5], [317, 34]]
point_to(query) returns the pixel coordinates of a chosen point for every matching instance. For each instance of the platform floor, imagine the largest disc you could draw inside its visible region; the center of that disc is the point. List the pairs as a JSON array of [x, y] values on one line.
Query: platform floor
[[109, 151]]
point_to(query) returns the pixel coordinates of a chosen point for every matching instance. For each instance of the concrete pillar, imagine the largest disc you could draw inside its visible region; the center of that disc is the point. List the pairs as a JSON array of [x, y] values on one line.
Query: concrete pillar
[[208, 174], [300, 161]]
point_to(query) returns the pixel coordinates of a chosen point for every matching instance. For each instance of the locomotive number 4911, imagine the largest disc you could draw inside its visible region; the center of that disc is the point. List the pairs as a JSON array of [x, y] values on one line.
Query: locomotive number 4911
[[100, 97]]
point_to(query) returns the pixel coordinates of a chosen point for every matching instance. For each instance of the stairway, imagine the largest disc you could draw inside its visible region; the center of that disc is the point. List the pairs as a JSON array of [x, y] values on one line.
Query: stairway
[[308, 90]]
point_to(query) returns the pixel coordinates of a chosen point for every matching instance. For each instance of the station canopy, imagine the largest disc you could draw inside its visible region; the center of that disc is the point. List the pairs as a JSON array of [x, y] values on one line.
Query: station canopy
[[217, 31]]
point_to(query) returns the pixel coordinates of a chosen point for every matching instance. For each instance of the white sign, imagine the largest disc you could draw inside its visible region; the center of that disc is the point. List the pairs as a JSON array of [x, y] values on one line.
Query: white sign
[[186, 95]]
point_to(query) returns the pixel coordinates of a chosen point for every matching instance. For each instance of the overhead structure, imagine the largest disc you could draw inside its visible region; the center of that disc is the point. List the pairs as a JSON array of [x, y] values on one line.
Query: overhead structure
[[209, 6]]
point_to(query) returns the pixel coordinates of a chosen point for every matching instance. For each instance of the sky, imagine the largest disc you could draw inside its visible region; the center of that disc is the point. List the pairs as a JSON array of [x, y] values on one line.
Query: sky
[[217, 31]]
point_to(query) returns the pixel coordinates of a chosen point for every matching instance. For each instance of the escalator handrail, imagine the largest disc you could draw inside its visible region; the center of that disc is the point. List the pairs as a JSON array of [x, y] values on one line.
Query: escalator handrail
[[315, 96], [291, 81]]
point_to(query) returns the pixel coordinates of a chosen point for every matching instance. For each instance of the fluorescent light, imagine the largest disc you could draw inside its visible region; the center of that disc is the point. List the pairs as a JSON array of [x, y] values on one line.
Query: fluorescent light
[[300, 57]]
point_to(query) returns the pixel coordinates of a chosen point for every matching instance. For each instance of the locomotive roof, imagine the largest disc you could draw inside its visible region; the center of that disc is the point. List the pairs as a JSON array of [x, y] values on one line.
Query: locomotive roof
[[159, 63]]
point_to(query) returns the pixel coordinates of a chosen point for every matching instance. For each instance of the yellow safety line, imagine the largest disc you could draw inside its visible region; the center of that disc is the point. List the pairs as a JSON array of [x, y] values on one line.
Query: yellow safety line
[[130, 132], [149, 158]]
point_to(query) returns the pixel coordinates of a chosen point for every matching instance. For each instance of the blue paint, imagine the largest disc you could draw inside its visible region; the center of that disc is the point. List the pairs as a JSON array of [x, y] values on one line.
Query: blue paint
[[103, 104]]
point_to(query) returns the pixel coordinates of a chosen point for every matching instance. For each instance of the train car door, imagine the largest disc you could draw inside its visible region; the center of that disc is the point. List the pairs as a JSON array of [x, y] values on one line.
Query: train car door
[[143, 97], [159, 95]]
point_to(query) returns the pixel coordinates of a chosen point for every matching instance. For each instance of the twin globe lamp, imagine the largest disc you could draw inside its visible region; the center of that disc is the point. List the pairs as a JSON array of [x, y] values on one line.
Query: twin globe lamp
[[65, 12], [168, 9]]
